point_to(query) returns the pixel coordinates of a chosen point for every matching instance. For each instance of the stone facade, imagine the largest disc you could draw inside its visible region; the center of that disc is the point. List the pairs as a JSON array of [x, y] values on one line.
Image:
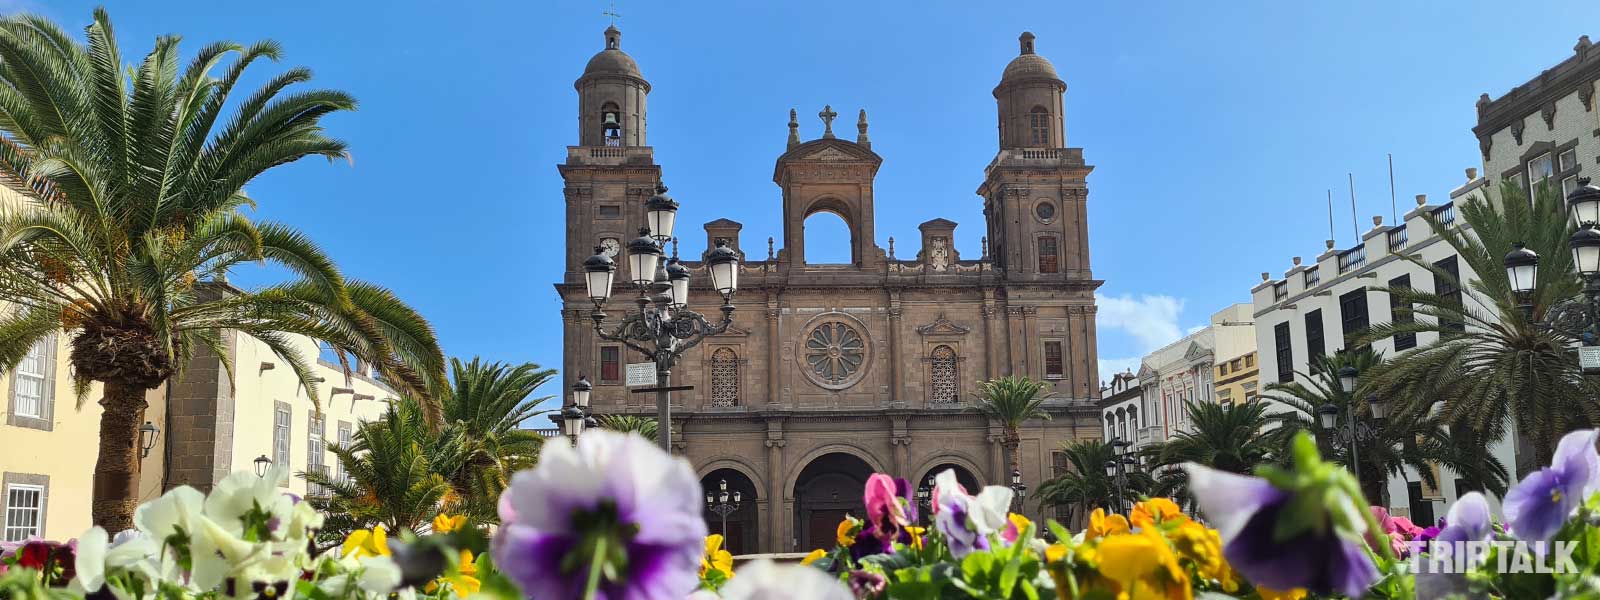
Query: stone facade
[[1548, 127], [831, 372]]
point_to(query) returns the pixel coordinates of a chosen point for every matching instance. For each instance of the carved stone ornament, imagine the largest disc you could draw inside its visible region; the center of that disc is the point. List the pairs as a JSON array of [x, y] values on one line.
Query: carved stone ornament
[[1586, 95], [939, 254], [1517, 128], [943, 326], [1549, 115], [829, 154]]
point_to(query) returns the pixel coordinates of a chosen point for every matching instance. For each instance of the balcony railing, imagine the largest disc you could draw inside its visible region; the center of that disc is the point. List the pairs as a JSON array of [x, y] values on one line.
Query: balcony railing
[[1312, 276], [1397, 239], [1352, 259], [1280, 290], [1446, 215]]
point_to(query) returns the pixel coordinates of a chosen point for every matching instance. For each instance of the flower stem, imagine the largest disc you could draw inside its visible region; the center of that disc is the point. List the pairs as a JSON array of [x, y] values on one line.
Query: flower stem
[[595, 566]]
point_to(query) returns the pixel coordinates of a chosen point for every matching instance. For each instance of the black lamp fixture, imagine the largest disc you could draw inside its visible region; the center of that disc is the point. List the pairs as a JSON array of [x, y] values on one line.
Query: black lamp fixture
[[262, 463], [572, 422], [1585, 244], [661, 214], [148, 433], [1347, 379], [1111, 468], [580, 392], [599, 271], [1522, 269], [723, 263], [1328, 415], [1380, 409], [1584, 203], [644, 253], [678, 277]]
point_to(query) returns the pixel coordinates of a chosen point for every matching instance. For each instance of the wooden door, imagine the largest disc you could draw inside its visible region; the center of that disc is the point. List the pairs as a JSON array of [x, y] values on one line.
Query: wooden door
[[823, 530]]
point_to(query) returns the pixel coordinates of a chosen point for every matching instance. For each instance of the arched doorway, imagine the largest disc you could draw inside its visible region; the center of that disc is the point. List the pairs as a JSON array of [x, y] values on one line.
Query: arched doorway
[[827, 489], [740, 537]]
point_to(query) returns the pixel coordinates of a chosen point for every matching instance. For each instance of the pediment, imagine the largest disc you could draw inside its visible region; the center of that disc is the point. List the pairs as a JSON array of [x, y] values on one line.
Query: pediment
[[1146, 373], [943, 326], [830, 154], [1196, 351]]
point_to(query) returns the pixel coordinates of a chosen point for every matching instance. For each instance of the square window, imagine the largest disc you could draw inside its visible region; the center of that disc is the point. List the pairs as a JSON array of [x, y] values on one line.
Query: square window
[[24, 512], [610, 364], [1540, 168], [1567, 160], [610, 211], [1053, 366]]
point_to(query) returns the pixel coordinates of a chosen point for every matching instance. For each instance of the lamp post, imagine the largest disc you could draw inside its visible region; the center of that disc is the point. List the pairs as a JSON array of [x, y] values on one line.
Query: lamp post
[[1328, 414], [148, 433], [722, 504], [1117, 467], [1575, 317], [662, 328], [925, 500], [262, 462], [1019, 490]]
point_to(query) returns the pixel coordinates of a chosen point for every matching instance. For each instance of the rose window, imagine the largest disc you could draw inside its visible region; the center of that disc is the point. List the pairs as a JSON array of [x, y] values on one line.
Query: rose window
[[835, 352]]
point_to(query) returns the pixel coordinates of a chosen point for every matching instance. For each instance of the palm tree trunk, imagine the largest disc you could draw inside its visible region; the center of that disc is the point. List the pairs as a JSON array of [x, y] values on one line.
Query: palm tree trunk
[[1012, 442], [116, 471]]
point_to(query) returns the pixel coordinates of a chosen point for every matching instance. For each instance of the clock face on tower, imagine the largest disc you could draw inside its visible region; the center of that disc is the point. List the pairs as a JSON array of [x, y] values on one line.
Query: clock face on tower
[[610, 247]]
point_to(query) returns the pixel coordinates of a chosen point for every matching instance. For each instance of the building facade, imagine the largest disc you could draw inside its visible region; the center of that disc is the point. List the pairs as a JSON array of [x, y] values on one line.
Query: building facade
[[1120, 403], [1189, 370], [1547, 128], [833, 371]]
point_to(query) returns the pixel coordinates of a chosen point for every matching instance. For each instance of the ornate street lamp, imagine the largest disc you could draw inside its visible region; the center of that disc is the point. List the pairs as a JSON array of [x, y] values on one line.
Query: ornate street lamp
[[1116, 468], [262, 463], [572, 422], [1577, 317], [580, 392], [1329, 416], [663, 328], [1347, 379], [1380, 408], [722, 504], [1018, 489], [148, 433], [925, 499]]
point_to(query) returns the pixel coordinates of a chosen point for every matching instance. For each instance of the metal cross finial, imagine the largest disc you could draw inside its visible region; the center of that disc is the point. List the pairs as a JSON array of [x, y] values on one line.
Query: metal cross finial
[[891, 247], [674, 247], [769, 247], [612, 12], [827, 115]]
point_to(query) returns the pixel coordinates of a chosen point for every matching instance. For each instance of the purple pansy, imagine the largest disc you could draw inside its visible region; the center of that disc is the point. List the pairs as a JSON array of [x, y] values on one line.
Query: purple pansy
[[1468, 520], [1538, 506], [613, 487], [1245, 511]]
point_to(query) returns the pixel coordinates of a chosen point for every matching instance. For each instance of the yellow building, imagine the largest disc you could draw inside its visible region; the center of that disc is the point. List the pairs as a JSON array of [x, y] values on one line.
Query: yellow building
[[205, 428], [1237, 379]]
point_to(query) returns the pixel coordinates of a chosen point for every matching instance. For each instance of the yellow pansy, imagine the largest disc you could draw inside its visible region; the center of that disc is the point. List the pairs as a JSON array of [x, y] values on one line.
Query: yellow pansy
[[366, 542], [846, 535], [1055, 553], [916, 535], [464, 583], [1101, 525], [1142, 563], [446, 524], [1019, 521], [1272, 594], [715, 557], [1156, 511], [1203, 546], [814, 556]]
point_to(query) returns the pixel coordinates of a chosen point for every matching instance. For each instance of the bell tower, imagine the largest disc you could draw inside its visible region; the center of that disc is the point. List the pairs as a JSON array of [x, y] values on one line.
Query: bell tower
[[611, 172], [1034, 190]]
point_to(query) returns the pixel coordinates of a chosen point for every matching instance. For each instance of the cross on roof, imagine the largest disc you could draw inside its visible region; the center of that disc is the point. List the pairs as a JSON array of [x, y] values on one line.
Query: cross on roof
[[612, 12], [827, 115]]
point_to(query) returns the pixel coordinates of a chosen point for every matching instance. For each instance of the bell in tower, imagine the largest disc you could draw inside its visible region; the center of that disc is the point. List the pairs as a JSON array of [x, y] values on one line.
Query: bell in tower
[[611, 97]]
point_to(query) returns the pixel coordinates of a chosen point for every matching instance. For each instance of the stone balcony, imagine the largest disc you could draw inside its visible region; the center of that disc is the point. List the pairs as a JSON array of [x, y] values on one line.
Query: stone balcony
[[600, 156], [1038, 157]]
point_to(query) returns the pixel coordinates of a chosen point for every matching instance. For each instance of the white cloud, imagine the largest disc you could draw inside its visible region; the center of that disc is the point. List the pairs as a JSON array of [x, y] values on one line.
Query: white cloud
[[1152, 320], [1112, 366]]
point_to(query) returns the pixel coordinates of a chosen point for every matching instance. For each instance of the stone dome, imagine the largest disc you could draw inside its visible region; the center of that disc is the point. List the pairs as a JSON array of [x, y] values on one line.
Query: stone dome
[[1028, 65], [612, 60]]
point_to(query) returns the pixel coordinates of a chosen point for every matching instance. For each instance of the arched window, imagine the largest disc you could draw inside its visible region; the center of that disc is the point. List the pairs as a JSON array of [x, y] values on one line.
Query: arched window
[[1133, 420], [1111, 426], [724, 377], [942, 365], [1039, 125], [1049, 256], [611, 124], [1122, 424]]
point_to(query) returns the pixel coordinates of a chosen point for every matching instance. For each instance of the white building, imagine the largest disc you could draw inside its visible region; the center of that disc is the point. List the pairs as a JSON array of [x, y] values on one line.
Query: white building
[[1185, 370], [1120, 404]]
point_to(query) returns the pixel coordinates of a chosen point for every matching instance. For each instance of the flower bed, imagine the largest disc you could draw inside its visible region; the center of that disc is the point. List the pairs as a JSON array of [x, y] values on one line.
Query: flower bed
[[616, 518]]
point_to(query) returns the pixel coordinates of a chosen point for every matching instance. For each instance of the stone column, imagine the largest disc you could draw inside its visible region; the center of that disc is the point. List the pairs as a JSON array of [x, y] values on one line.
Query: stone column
[[991, 346], [776, 538], [896, 373], [1030, 343], [774, 387], [900, 442], [1017, 354]]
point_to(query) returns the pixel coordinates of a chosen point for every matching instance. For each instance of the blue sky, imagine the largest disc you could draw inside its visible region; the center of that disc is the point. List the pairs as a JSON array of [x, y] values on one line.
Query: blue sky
[[1215, 128]]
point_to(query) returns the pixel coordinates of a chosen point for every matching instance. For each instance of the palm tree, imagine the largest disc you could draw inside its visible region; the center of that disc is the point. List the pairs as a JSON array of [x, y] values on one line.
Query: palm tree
[[390, 474], [1012, 400], [1493, 369], [484, 411], [644, 426], [1085, 486], [1228, 437], [132, 179], [1386, 447]]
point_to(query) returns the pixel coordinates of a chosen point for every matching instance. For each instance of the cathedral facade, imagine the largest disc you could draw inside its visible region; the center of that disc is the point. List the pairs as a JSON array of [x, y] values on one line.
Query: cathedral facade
[[832, 372]]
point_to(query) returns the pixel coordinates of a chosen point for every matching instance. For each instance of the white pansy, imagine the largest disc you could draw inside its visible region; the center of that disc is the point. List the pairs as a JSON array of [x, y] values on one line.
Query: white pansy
[[987, 513], [239, 493], [217, 553], [379, 575], [96, 558], [165, 516], [272, 577], [766, 580]]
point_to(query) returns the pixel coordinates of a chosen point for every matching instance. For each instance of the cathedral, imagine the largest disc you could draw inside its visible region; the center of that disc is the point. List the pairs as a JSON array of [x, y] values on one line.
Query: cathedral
[[831, 372]]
